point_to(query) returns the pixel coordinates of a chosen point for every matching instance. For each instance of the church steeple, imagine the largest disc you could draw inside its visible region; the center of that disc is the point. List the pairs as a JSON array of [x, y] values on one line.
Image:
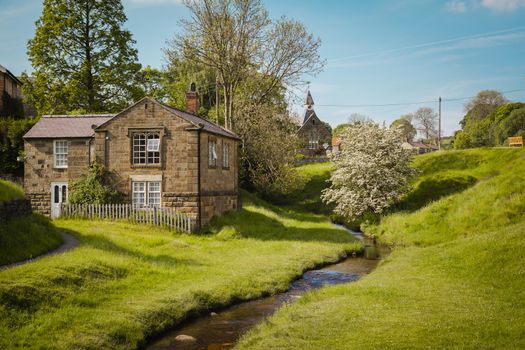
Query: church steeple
[[309, 100]]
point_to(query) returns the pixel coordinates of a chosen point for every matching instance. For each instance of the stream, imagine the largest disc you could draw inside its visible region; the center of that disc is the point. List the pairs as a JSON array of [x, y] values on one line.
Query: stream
[[221, 330]]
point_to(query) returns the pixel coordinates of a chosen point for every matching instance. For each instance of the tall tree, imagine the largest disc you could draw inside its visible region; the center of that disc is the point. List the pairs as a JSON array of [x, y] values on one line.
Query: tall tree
[[483, 104], [237, 39], [82, 57], [427, 120], [404, 124]]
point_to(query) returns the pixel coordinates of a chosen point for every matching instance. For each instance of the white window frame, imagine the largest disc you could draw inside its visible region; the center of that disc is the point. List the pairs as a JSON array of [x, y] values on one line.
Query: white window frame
[[151, 197], [60, 163], [212, 153], [142, 147], [225, 155], [313, 144]]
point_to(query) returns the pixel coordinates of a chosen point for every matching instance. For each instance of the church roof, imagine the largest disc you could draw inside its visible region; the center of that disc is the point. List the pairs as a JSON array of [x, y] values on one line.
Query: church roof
[[308, 112], [309, 100]]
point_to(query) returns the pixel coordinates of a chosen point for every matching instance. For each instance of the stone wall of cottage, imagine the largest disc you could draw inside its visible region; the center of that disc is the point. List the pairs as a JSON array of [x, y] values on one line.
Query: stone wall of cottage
[[314, 125], [178, 166], [219, 184], [39, 170]]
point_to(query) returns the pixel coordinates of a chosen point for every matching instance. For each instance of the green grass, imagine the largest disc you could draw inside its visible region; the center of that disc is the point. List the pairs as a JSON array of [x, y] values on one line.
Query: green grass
[[9, 191], [27, 237], [127, 282], [455, 279], [308, 198]]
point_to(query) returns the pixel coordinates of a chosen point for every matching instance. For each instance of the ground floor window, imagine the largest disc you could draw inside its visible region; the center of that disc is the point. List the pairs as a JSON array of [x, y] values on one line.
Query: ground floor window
[[313, 144], [146, 193]]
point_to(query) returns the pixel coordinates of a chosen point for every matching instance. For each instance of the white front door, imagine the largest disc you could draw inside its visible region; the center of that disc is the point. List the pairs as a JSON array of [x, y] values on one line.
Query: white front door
[[58, 196]]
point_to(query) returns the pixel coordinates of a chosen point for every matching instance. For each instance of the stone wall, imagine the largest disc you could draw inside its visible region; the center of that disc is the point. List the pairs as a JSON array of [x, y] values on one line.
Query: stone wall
[[13, 209], [39, 170]]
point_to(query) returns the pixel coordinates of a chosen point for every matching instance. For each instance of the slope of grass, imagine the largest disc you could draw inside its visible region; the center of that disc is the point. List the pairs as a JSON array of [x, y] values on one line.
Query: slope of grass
[[127, 282], [27, 237], [9, 191], [308, 198], [455, 279]]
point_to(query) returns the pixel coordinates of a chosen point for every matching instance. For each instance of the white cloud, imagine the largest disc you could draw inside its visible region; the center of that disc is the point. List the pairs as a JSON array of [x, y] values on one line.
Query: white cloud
[[503, 5], [456, 6], [147, 3]]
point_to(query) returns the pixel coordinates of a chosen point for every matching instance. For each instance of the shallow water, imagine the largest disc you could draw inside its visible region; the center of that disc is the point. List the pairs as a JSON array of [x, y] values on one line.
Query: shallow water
[[222, 330]]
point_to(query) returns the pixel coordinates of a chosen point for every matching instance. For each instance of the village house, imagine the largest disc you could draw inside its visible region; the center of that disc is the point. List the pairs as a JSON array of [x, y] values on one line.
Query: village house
[[314, 133], [419, 147], [10, 85], [157, 155]]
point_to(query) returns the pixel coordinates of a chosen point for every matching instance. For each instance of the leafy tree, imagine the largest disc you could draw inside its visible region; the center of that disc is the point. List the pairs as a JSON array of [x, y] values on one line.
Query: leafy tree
[[12, 144], [404, 124], [237, 39], [426, 119], [93, 188], [82, 57], [485, 102], [151, 82], [12, 107], [371, 173], [514, 125]]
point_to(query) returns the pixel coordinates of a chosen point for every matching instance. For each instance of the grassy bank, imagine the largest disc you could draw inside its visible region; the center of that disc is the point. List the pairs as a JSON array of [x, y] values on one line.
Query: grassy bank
[[127, 282], [455, 280], [27, 237], [9, 191]]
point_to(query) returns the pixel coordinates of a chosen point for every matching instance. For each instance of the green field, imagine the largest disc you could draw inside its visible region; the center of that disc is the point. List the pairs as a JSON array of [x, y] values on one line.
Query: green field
[[455, 279], [127, 282]]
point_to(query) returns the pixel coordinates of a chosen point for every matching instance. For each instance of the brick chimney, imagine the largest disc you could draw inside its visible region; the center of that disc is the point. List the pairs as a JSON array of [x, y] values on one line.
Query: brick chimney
[[192, 99]]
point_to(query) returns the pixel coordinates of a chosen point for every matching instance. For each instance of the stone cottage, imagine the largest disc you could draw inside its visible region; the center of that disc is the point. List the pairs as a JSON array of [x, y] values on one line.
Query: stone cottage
[[157, 156], [314, 133]]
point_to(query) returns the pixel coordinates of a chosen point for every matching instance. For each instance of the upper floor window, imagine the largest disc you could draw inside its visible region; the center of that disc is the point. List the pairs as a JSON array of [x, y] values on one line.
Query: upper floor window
[[60, 150], [146, 148], [212, 153]]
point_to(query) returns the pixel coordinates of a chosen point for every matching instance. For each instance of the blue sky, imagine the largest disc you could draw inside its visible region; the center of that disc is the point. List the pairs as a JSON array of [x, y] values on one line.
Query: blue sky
[[377, 52]]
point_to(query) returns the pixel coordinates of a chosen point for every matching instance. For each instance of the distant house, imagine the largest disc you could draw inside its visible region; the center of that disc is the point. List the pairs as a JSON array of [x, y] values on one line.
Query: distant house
[[158, 155], [314, 133], [10, 87], [336, 144], [419, 147]]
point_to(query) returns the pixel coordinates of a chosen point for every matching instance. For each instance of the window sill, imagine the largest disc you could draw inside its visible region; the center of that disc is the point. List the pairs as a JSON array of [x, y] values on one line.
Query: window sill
[[60, 167], [212, 166], [153, 166], [225, 168]]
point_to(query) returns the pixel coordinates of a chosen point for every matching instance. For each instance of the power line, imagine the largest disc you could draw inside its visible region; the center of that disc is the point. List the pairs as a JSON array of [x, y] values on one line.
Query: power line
[[414, 103]]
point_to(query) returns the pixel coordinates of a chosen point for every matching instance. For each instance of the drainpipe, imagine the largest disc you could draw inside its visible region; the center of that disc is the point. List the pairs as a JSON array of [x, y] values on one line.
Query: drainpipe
[[199, 197]]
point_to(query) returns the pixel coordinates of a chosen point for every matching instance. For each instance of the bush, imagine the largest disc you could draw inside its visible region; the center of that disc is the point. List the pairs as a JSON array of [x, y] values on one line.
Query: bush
[[12, 144], [93, 188], [9, 190]]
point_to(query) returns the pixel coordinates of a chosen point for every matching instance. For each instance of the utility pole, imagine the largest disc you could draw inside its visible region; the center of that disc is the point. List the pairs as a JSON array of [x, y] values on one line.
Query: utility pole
[[439, 127]]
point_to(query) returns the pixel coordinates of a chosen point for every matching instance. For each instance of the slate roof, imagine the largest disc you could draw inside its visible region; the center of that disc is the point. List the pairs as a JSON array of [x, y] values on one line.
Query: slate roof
[[308, 112], [76, 126], [196, 120], [67, 126]]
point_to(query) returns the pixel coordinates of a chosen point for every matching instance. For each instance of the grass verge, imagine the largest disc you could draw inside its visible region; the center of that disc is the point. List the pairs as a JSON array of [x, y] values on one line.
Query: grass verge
[[455, 279], [27, 237], [127, 282]]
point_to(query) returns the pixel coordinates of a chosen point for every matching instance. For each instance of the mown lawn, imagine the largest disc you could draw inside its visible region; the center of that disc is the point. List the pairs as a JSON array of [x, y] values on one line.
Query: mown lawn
[[127, 282], [455, 279]]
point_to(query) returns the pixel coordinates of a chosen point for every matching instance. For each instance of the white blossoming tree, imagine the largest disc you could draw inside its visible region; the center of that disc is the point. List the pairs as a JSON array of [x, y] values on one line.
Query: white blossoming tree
[[371, 173]]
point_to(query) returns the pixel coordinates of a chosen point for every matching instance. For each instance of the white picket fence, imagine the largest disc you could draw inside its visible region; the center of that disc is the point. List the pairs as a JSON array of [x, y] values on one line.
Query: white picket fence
[[164, 217]]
